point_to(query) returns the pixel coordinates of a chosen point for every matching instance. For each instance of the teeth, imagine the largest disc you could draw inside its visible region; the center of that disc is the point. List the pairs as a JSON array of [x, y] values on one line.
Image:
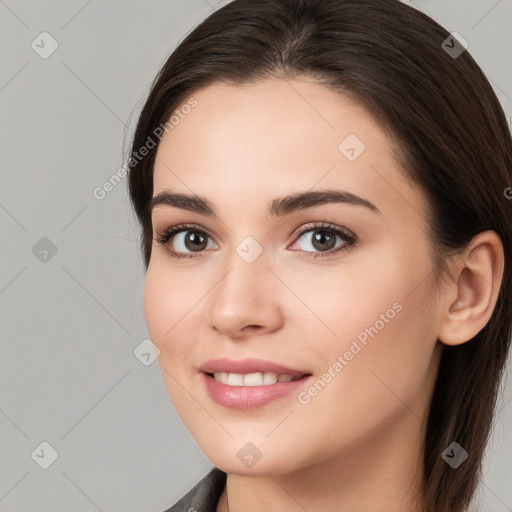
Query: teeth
[[252, 379]]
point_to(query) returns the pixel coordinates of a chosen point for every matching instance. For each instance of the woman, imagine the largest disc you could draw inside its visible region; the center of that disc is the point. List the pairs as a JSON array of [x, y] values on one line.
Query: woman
[[327, 238]]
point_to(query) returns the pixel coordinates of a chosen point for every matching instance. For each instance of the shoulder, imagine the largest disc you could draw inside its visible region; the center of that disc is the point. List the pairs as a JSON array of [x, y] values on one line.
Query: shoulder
[[204, 496]]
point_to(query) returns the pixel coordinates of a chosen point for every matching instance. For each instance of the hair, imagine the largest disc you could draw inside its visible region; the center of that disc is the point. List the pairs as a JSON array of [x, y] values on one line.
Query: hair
[[448, 129]]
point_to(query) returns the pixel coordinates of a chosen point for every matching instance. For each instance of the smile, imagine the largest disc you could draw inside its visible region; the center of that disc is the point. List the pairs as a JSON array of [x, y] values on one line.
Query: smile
[[253, 379], [248, 391]]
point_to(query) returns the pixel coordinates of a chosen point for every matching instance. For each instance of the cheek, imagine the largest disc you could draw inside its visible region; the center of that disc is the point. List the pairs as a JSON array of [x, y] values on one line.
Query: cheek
[[155, 306], [385, 333], [373, 289], [167, 308], [168, 316]]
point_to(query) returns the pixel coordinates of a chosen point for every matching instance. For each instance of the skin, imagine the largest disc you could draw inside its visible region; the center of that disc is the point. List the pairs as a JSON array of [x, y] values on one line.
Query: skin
[[357, 445]]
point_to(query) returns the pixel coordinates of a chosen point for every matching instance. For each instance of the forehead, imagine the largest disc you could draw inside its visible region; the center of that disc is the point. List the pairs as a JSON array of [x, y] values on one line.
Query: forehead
[[269, 119], [276, 137]]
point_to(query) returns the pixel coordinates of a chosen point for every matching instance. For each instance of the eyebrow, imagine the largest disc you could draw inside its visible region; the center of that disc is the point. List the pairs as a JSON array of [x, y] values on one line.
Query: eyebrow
[[278, 207]]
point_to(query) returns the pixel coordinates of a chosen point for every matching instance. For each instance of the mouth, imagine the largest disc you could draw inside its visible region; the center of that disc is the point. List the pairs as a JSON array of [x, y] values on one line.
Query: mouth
[[244, 391], [254, 379], [250, 383]]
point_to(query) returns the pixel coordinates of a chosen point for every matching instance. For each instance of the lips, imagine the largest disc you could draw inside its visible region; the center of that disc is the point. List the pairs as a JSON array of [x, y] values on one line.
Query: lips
[[245, 396], [251, 365]]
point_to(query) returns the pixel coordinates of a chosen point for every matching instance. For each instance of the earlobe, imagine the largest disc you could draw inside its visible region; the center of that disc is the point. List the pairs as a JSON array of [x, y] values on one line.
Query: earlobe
[[472, 293]]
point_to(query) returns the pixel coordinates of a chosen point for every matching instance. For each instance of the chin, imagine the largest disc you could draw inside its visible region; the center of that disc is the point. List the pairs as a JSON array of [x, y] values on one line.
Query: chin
[[247, 460]]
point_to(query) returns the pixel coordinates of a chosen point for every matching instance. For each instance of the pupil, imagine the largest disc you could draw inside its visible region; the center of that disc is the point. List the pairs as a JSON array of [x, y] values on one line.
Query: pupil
[[319, 240], [197, 241]]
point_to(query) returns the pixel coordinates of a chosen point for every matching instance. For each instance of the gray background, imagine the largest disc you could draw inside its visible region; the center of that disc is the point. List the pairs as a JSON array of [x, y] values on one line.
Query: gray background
[[71, 320]]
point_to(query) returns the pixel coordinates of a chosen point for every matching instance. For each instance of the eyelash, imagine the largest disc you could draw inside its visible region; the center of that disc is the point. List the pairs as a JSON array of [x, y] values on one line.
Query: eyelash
[[349, 238]]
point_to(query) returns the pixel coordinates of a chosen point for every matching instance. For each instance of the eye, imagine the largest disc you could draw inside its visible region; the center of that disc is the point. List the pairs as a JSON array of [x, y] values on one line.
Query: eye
[[185, 237], [190, 241], [322, 237]]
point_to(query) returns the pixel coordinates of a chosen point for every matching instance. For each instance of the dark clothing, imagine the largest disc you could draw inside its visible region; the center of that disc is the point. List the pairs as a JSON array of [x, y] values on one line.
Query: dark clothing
[[204, 496]]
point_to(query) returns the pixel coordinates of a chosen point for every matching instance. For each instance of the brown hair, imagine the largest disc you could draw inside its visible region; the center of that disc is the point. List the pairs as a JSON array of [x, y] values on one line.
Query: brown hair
[[453, 142]]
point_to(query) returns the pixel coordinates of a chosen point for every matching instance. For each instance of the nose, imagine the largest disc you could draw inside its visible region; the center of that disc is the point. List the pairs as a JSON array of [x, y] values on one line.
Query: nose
[[246, 300]]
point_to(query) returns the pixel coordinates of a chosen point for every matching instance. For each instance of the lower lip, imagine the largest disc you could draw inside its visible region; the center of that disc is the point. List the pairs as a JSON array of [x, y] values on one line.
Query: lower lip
[[249, 397]]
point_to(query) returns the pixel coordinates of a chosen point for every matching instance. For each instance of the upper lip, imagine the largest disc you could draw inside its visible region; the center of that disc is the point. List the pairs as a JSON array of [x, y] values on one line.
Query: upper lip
[[246, 366]]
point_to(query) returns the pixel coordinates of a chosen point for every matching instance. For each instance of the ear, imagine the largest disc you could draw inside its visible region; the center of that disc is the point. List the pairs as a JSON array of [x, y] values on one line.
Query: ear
[[472, 293]]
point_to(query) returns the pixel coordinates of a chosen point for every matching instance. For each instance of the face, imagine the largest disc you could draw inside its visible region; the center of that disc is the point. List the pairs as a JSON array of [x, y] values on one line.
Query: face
[[338, 290]]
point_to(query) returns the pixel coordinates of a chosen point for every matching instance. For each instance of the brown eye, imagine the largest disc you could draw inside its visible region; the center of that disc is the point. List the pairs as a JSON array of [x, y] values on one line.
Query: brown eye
[[183, 241], [322, 239], [194, 241]]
